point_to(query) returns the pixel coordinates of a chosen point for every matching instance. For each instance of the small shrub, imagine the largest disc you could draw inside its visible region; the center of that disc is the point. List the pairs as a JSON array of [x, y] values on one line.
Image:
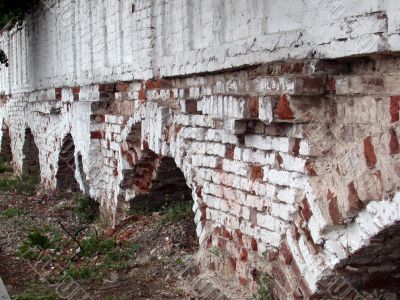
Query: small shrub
[[37, 238], [87, 208], [10, 212], [90, 247]]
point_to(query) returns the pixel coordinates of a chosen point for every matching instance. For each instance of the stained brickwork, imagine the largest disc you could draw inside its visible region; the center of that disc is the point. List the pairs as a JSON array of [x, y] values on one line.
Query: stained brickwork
[[293, 165]]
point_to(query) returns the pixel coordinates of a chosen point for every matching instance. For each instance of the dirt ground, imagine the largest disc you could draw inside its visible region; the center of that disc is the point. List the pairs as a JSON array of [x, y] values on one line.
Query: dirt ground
[[50, 248]]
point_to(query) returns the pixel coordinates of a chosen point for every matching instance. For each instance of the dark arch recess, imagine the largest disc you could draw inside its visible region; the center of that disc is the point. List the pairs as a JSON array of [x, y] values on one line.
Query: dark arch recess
[[30, 162], [66, 166], [6, 153]]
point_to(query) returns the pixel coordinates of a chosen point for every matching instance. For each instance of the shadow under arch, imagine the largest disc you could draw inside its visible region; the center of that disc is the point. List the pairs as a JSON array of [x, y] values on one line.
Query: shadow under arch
[[372, 272], [30, 161], [6, 153], [150, 181], [66, 165]]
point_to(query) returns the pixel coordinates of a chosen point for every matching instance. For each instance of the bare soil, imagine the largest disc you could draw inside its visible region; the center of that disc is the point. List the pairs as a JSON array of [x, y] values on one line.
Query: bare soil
[[147, 257]]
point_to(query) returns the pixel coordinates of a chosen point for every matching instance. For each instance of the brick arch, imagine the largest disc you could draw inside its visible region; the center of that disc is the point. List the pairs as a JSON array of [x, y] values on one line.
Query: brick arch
[[66, 165], [30, 151], [150, 180], [6, 152]]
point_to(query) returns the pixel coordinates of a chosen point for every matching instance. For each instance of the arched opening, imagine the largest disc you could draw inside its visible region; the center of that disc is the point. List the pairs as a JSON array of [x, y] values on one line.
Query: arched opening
[[66, 165], [372, 272], [154, 181], [6, 154], [30, 162]]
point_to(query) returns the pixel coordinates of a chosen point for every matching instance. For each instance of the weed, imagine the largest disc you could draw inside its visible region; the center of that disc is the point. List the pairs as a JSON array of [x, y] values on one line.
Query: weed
[[265, 290], [176, 212], [21, 185], [92, 246], [37, 238], [80, 273], [11, 212], [215, 251], [87, 208], [34, 296]]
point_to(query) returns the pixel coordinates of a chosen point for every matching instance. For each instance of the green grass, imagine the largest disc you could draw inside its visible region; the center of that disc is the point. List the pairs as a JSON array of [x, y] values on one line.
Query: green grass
[[10, 213], [21, 185], [176, 212], [34, 296], [80, 272]]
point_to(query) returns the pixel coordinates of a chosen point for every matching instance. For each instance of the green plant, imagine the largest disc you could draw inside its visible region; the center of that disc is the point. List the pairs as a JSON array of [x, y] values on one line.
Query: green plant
[[215, 251], [177, 211], [11, 212], [34, 296], [80, 273], [90, 246], [37, 238], [31, 246], [265, 290], [87, 209], [23, 185]]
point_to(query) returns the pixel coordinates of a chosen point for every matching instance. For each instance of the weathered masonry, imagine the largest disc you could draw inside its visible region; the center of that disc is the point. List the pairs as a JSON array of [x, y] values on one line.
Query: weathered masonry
[[280, 119]]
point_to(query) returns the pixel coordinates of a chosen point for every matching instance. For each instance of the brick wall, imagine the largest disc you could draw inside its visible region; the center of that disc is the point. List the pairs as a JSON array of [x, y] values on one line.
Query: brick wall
[[293, 166]]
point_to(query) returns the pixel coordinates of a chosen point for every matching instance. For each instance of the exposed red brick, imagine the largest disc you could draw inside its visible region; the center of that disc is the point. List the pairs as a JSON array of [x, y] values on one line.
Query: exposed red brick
[[305, 210], [230, 150], [369, 152], [239, 236], [142, 94], [243, 254], [209, 242], [283, 109], [199, 190], [256, 172], [211, 266], [157, 84], [107, 87], [76, 90], [233, 262], [312, 83], [226, 234], [254, 245], [310, 168], [331, 85], [253, 107], [278, 274], [355, 204], [287, 255], [394, 142], [191, 106], [296, 147], [334, 211], [243, 281], [58, 93], [279, 160], [221, 243], [96, 135], [272, 256], [394, 108], [122, 86]]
